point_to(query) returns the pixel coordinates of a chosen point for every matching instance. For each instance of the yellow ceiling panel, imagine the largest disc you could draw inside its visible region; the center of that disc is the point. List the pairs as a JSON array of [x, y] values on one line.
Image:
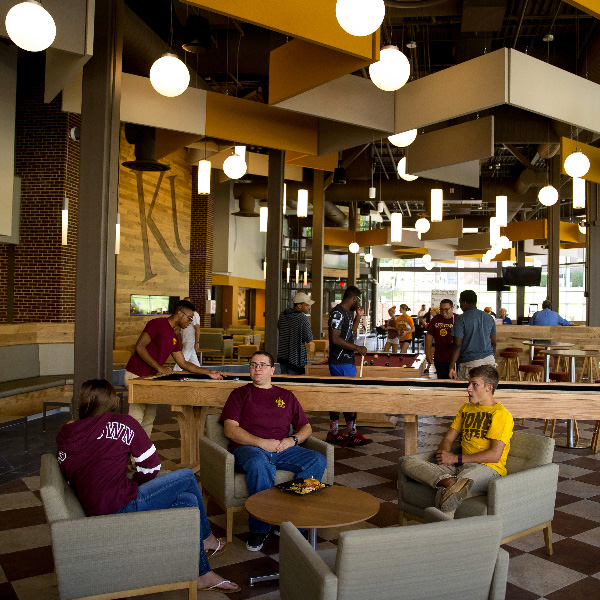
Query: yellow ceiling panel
[[526, 230], [327, 162], [568, 146], [591, 7]]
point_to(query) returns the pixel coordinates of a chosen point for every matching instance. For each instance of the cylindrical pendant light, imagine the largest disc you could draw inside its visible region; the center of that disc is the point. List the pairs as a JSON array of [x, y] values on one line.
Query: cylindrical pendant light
[[578, 192], [380, 206], [502, 210], [360, 17], [402, 171], [169, 76], [302, 203], [65, 220], [577, 164], [204, 177], [265, 268], [284, 198], [118, 234], [30, 26], [263, 219], [548, 195], [396, 233], [297, 273], [306, 276], [494, 231], [372, 192], [437, 205], [287, 273]]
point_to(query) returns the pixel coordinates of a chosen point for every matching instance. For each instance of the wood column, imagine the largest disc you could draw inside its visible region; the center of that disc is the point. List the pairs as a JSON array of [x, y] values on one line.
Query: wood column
[[520, 288], [98, 196], [592, 254], [318, 225], [353, 265], [274, 236]]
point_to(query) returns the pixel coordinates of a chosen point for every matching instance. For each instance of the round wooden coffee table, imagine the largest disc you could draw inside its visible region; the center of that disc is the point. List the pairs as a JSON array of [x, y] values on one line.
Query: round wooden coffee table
[[334, 506]]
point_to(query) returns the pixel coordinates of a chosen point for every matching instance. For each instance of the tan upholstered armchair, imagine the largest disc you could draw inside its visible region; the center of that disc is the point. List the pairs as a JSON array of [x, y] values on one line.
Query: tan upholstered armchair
[[219, 480], [523, 499], [452, 560], [120, 555]]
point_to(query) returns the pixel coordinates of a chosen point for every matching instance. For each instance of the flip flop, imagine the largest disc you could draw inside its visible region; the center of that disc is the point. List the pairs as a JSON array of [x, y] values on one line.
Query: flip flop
[[217, 587], [219, 549]]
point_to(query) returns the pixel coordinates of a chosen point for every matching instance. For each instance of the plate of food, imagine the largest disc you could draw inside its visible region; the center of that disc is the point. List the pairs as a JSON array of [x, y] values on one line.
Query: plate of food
[[302, 486]]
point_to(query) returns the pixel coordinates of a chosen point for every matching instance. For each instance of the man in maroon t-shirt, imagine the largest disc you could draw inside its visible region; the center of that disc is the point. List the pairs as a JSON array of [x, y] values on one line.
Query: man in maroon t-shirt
[[438, 331], [157, 342], [257, 419]]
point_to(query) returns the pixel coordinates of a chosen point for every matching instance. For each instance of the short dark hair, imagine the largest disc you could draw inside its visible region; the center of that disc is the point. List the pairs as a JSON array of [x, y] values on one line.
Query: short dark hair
[[183, 304], [547, 304], [488, 373], [447, 301], [351, 291], [265, 353], [96, 397], [468, 297]]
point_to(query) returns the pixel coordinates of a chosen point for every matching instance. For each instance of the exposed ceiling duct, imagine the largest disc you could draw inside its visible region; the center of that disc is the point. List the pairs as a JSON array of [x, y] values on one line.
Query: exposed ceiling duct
[[145, 153]]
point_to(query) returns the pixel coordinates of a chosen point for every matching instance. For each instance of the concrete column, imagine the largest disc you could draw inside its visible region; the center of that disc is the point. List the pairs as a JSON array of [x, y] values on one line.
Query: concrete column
[[274, 235], [554, 240], [520, 288], [592, 255], [318, 223], [353, 265], [98, 195]]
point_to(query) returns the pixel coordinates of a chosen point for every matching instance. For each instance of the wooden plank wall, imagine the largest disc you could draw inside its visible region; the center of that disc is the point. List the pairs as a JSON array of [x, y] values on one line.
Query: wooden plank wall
[[159, 266], [13, 334]]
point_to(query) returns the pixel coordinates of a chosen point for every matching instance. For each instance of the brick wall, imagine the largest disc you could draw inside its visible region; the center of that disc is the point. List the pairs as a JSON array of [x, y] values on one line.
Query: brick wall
[[201, 249], [48, 163]]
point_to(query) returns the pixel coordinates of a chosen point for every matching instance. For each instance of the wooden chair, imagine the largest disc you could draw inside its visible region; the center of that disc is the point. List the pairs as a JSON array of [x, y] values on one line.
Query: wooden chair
[[246, 351], [310, 350], [596, 437], [510, 365], [321, 347]]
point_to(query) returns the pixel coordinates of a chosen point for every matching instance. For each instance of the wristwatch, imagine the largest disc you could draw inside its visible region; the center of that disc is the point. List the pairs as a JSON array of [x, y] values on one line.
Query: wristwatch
[[295, 439]]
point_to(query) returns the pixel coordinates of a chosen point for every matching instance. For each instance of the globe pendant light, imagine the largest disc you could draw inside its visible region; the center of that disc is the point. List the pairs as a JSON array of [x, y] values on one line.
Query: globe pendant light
[[302, 203], [360, 17], [548, 195], [354, 247], [581, 228], [402, 171], [502, 211], [578, 192], [504, 242], [437, 205], [494, 231], [396, 232], [391, 71], [406, 138], [30, 26], [169, 76], [235, 165], [426, 258], [422, 225], [577, 164], [429, 266], [204, 177], [368, 258], [263, 219]]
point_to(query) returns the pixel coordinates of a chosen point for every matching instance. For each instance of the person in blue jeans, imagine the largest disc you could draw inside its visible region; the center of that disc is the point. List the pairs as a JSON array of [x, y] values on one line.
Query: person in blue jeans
[[257, 419], [94, 453]]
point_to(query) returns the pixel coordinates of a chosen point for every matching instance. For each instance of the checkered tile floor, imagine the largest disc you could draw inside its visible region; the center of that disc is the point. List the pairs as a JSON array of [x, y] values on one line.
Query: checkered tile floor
[[572, 573]]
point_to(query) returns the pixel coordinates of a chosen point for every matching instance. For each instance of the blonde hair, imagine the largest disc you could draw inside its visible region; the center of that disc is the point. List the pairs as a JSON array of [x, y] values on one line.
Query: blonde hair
[[405, 307], [391, 308]]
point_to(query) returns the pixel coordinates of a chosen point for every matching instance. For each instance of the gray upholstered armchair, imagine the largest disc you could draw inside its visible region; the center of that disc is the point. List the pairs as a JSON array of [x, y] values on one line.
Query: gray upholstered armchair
[[114, 555], [219, 480], [523, 499], [452, 560]]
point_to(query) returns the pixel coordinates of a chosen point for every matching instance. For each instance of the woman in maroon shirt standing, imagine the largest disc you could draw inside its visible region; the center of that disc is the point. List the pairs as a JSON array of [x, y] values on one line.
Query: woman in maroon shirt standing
[[94, 453]]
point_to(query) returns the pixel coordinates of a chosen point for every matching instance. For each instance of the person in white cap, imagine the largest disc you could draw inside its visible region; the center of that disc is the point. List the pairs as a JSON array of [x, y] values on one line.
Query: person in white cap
[[294, 332]]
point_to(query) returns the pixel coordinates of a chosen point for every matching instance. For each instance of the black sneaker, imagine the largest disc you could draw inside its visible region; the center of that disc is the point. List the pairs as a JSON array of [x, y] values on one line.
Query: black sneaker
[[256, 540], [275, 530]]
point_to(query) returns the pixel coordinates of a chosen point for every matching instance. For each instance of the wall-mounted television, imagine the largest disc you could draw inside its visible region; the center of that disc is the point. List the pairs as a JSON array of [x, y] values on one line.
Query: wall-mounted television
[[527, 276], [497, 284]]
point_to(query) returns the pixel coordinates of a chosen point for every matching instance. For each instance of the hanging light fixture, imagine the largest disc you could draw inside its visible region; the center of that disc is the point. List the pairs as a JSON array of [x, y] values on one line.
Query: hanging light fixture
[[402, 171], [169, 76], [380, 206], [582, 228], [494, 231], [577, 164], [287, 273], [548, 195], [360, 17], [235, 165], [297, 272], [578, 192], [391, 71], [396, 230], [265, 268], [302, 203], [426, 258], [118, 234], [263, 219], [65, 220], [504, 242], [368, 258], [422, 225], [284, 198], [406, 138], [204, 176], [30, 26], [429, 266], [305, 275], [372, 192], [437, 205], [502, 210], [354, 247]]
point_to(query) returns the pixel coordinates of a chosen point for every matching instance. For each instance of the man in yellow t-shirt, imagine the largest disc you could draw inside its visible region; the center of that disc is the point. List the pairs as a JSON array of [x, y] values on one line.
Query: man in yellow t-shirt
[[485, 428]]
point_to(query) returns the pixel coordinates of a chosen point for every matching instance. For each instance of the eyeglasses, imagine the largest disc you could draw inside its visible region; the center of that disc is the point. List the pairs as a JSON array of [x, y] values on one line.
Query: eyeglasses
[[254, 365], [449, 308], [190, 317]]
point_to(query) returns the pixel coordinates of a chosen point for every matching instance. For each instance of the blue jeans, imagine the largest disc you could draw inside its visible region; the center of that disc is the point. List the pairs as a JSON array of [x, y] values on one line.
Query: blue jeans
[[342, 371], [260, 466], [178, 489]]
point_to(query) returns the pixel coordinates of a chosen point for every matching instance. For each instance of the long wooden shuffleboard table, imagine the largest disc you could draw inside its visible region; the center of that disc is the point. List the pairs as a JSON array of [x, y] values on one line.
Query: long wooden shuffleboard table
[[190, 396]]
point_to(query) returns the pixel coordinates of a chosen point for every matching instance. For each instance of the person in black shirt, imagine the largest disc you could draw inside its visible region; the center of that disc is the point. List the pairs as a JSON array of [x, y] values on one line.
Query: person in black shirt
[[342, 332], [294, 333]]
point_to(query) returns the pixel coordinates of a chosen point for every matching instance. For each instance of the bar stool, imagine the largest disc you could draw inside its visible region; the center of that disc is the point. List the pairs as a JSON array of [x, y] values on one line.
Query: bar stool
[[310, 350], [560, 377], [596, 437], [591, 364], [531, 372], [510, 364]]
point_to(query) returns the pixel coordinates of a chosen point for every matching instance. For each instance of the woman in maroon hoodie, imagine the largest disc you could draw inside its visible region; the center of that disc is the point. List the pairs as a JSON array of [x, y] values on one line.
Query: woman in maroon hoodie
[[94, 453]]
